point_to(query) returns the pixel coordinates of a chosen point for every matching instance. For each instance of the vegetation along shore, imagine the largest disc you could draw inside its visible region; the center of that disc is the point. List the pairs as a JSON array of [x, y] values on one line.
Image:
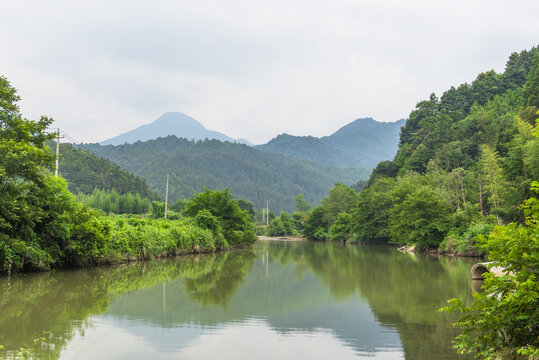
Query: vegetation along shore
[[43, 226], [464, 181]]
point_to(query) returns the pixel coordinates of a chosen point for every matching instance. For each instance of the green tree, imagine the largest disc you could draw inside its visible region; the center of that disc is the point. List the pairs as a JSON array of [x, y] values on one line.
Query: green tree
[[341, 199], [340, 229], [236, 224], [158, 210], [492, 177], [531, 88], [383, 169], [287, 223], [23, 154], [503, 320], [370, 218], [421, 219], [301, 204], [282, 226], [41, 224], [531, 153], [359, 185], [178, 205], [276, 228], [316, 227], [298, 220], [247, 206], [205, 220]]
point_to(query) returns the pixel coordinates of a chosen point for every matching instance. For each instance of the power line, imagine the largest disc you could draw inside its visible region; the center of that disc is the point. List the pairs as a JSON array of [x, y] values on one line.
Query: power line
[[71, 139]]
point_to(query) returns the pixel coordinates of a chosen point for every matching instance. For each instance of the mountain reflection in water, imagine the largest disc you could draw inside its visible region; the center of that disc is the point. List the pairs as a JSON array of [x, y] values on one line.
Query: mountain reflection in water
[[277, 300]]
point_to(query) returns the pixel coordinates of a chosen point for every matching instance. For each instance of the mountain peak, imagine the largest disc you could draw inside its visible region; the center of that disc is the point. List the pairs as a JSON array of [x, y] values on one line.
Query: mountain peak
[[171, 123], [176, 117], [362, 142], [366, 125]]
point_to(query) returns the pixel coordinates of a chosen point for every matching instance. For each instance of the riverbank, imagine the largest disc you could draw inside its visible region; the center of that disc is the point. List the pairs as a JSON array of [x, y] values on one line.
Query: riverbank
[[412, 249], [118, 240], [282, 238], [200, 293]]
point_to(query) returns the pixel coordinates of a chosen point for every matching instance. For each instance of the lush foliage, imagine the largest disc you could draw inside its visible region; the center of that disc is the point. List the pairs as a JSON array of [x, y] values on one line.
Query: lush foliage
[[504, 319], [112, 202], [301, 204], [40, 222], [149, 238], [331, 220], [316, 227], [371, 214], [85, 172], [464, 164], [308, 148], [253, 175], [286, 224], [42, 225], [419, 215], [235, 223]]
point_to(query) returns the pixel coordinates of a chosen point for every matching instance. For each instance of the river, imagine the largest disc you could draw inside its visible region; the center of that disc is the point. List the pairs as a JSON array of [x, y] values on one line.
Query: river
[[278, 300]]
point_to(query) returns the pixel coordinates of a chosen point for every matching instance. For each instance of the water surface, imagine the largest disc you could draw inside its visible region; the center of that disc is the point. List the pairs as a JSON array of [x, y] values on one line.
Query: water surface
[[278, 300]]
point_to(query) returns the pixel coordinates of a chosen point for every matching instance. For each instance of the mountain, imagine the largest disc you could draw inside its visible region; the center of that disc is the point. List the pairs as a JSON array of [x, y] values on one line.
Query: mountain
[[367, 140], [467, 161], [171, 123], [249, 173], [84, 172], [364, 142], [308, 148]]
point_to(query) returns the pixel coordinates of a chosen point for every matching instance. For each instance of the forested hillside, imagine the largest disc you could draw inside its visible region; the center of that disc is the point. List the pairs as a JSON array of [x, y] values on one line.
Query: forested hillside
[[43, 226], [85, 172], [251, 174], [308, 148], [366, 140], [465, 163], [363, 142]]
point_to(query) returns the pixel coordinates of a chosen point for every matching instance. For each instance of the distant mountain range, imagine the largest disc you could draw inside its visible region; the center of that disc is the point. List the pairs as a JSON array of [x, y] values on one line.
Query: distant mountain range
[[250, 174], [277, 171], [171, 123], [364, 142]]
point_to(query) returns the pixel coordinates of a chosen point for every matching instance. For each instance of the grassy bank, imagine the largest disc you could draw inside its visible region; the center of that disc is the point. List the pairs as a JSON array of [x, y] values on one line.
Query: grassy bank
[[130, 239]]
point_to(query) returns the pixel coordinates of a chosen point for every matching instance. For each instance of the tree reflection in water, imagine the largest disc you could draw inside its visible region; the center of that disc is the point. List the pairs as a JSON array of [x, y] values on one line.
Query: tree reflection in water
[[60, 302], [403, 292]]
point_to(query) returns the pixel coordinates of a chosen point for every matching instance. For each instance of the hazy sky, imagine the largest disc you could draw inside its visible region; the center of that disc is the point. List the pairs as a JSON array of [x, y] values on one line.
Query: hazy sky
[[249, 68]]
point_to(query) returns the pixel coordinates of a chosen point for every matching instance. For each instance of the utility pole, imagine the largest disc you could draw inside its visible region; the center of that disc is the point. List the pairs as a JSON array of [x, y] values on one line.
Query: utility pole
[[57, 150], [267, 212], [166, 198]]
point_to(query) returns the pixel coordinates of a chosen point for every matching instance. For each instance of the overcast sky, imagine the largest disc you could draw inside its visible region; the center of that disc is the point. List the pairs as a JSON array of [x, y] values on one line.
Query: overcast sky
[[249, 68]]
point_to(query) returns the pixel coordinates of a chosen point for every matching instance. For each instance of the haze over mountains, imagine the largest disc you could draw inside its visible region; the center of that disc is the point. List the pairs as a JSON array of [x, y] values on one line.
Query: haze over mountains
[[363, 142], [195, 157], [171, 123], [250, 174]]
